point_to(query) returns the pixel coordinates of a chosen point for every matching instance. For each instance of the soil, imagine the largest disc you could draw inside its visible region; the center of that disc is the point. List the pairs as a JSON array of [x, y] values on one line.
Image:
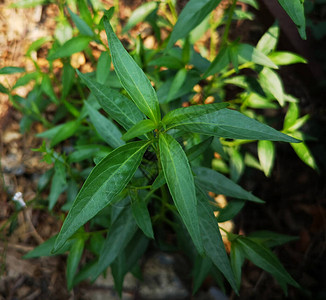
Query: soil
[[295, 194]]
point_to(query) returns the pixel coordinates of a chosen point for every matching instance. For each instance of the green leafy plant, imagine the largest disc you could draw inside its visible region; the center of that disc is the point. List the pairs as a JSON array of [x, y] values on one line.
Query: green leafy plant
[[153, 158]]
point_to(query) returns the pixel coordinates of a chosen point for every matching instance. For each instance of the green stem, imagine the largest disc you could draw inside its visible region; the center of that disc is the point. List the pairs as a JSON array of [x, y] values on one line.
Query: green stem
[[228, 24]]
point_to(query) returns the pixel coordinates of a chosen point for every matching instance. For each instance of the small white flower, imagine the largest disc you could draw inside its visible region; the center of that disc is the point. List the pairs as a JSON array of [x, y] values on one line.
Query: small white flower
[[18, 197]]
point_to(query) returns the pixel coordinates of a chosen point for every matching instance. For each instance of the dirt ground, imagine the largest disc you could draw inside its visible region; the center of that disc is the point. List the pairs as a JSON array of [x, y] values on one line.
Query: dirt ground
[[295, 195]]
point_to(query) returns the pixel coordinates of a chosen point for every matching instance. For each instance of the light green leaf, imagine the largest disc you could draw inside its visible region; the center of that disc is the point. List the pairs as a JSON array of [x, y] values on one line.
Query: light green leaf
[[229, 124], [76, 44], [303, 151], [107, 130], [104, 183], [268, 41], [120, 108], [142, 217], [177, 83], [265, 259], [213, 181], [180, 181], [73, 260], [266, 155], [119, 235], [291, 115], [188, 113], [212, 239], [295, 10], [11, 70], [192, 15], [63, 32], [281, 58], [27, 3], [82, 26], [58, 183], [272, 83], [251, 54], [139, 15], [132, 78], [103, 67], [139, 129]]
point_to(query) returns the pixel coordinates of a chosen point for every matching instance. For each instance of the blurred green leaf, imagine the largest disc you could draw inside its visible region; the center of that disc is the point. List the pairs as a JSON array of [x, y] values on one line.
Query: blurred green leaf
[[76, 44], [139, 15], [82, 26], [268, 41], [103, 67], [281, 58], [11, 70], [74, 257]]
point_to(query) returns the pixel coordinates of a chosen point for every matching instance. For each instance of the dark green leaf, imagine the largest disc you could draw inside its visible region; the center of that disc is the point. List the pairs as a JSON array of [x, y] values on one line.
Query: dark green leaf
[[168, 61], [180, 181], [128, 258], [103, 184], [192, 15], [3, 89], [237, 260], [66, 131], [120, 108], [46, 248], [70, 47], [11, 70], [74, 257], [132, 77], [212, 239], [103, 67], [236, 165], [107, 130], [139, 129], [198, 149], [142, 217], [272, 239], [229, 124], [295, 10], [215, 182], [139, 15], [230, 211], [184, 114], [201, 269], [177, 83], [119, 235], [58, 183], [265, 259], [82, 26], [158, 182], [68, 77], [220, 62]]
